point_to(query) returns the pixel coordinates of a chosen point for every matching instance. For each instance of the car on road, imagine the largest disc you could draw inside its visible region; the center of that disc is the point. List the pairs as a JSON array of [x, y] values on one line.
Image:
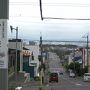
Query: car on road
[[86, 77], [72, 74], [60, 73], [53, 77], [18, 88]]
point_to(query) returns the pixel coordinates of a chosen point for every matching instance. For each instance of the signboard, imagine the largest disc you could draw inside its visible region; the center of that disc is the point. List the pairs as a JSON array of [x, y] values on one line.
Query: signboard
[[3, 44]]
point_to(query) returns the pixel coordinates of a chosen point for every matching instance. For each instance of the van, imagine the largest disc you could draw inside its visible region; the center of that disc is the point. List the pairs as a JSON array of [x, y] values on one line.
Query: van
[[86, 77]]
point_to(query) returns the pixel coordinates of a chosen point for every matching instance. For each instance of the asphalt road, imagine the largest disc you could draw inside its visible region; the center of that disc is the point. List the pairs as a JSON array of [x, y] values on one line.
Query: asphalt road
[[65, 82]]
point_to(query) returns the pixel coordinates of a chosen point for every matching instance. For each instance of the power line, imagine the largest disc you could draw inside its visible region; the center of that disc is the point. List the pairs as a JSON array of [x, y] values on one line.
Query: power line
[[57, 17], [51, 4], [53, 17], [25, 16], [66, 18], [24, 3]]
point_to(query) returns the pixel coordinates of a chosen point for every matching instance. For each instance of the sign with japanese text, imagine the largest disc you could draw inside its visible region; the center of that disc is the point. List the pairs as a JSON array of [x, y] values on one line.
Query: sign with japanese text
[[3, 44]]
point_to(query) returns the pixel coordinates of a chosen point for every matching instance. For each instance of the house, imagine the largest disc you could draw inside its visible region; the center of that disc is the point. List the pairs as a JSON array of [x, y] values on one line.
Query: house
[[12, 53], [80, 56], [34, 62], [26, 58]]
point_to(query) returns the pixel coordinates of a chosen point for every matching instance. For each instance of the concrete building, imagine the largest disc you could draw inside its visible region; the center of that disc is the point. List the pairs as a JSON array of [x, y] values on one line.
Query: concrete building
[[80, 56], [12, 52], [34, 62], [86, 62]]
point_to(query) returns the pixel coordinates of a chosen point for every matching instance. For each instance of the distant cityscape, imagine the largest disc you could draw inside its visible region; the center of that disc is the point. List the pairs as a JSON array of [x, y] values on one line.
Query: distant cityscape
[[62, 42]]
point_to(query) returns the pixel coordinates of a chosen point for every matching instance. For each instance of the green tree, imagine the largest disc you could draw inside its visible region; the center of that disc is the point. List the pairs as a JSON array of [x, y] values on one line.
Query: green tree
[[71, 66], [66, 66], [76, 67]]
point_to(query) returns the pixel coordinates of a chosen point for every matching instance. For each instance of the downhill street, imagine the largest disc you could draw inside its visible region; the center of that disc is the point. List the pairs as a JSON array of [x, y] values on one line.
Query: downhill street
[[65, 82]]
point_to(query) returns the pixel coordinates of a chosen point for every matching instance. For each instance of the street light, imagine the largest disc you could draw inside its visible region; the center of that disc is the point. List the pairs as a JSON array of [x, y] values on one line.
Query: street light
[[11, 27]]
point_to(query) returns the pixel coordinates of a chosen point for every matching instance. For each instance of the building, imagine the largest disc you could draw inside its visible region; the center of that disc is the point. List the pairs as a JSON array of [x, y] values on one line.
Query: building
[[26, 59], [12, 53], [34, 61], [86, 59]]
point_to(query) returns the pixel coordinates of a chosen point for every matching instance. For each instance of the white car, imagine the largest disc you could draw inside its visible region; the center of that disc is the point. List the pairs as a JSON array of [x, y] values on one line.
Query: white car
[[18, 88], [86, 77], [72, 74]]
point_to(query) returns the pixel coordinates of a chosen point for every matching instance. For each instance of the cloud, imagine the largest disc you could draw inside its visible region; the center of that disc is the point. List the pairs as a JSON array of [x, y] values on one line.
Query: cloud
[[27, 18]]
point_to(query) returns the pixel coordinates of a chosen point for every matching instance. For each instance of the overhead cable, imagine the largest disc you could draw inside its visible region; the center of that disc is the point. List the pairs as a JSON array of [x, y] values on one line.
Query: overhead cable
[[51, 4], [66, 18]]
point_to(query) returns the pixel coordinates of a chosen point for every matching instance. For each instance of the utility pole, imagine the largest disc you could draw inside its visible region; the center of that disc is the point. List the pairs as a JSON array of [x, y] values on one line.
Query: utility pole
[[40, 2], [88, 62], [87, 50], [41, 72], [41, 49], [74, 60], [4, 16], [11, 27], [87, 47]]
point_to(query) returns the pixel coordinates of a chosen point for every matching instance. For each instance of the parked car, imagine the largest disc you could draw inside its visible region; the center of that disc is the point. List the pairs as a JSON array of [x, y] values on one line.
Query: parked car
[[86, 77], [60, 73], [53, 77], [18, 88], [71, 74]]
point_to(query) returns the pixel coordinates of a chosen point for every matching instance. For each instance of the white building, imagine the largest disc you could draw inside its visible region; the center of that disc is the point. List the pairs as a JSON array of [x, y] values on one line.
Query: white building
[[35, 62]]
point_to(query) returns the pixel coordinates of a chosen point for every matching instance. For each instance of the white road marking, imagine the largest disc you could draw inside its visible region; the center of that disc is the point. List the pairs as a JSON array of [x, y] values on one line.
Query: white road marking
[[64, 78], [79, 84]]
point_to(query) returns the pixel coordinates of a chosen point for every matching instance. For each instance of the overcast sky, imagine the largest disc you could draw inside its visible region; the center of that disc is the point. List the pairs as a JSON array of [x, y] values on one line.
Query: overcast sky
[[26, 15]]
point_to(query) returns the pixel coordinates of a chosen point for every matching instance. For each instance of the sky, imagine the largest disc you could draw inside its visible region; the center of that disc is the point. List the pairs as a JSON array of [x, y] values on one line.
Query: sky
[[26, 15]]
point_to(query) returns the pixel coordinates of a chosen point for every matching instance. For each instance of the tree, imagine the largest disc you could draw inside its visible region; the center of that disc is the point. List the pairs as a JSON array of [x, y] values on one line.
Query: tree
[[76, 67], [66, 66], [71, 66]]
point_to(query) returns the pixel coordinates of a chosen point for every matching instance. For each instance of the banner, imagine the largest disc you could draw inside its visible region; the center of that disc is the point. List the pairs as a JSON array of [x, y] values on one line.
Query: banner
[[3, 44]]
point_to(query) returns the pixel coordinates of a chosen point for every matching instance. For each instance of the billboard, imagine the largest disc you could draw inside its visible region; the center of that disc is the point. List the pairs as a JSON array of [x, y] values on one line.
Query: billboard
[[3, 44], [78, 56]]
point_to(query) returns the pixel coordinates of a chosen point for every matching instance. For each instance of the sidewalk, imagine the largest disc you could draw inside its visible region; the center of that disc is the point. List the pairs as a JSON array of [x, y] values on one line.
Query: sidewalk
[[19, 82]]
